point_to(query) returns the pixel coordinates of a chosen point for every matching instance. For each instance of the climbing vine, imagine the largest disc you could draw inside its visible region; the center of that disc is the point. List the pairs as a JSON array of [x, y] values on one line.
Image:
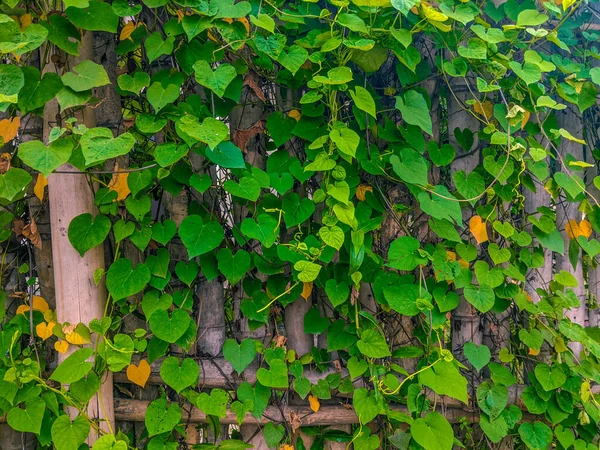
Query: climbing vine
[[384, 208]]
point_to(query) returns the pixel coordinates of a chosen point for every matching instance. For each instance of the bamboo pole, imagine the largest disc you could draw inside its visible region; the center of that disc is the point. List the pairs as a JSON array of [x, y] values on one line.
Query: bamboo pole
[[78, 298]]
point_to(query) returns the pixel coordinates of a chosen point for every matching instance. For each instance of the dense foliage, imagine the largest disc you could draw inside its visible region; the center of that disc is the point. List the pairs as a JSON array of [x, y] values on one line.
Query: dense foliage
[[402, 169]]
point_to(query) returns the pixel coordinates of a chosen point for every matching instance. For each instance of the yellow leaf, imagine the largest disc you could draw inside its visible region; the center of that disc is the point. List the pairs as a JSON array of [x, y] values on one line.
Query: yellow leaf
[[40, 184], [180, 15], [44, 330], [307, 290], [61, 346], [450, 256], [314, 403], [23, 309], [118, 183], [295, 114], [9, 128], [286, 447], [211, 36], [25, 21], [126, 31], [39, 304], [534, 352], [574, 229], [478, 229], [74, 338], [361, 191], [463, 263], [139, 374], [485, 109], [432, 14], [526, 116]]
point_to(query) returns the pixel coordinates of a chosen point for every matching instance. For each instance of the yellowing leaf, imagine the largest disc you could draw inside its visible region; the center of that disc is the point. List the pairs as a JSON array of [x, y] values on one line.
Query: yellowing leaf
[[361, 191], [180, 15], [432, 14], [9, 128], [61, 346], [574, 229], [295, 114], [139, 374], [315, 405], [74, 338], [450, 256], [463, 263], [286, 447], [127, 30], [526, 116], [485, 109], [40, 184], [307, 290], [246, 24], [25, 20], [39, 304], [44, 330], [478, 229], [118, 183]]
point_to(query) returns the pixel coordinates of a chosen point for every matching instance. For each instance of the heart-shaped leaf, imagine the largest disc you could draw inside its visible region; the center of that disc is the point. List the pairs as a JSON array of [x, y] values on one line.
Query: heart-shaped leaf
[[478, 356], [239, 355], [85, 76], [276, 376], [492, 399], [169, 329], [68, 435], [199, 237], [164, 232], [98, 145], [28, 420], [337, 292], [265, 230], [122, 280], [433, 432], [134, 83], [46, 159], [214, 404], [162, 417], [187, 272], [234, 267], [85, 232], [212, 132], [178, 377], [218, 80], [550, 378]]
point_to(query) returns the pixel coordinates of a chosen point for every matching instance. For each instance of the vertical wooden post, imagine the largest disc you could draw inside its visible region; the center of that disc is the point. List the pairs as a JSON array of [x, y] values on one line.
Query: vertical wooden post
[[78, 298]]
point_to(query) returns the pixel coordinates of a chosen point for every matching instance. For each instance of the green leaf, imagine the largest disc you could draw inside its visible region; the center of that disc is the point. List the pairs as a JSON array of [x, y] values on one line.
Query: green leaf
[[367, 405], [160, 417], [212, 132], [410, 167], [265, 230], [156, 47], [234, 267], [433, 432], [263, 21], [415, 110], [273, 434], [248, 188], [177, 376], [404, 6], [314, 323], [345, 139], [12, 81], [218, 80], [276, 376], [214, 404], [332, 236], [74, 368], [531, 18], [551, 378], [98, 16], [492, 399], [199, 237], [122, 280], [28, 420], [108, 442], [160, 96], [239, 355], [46, 159], [537, 435], [373, 344], [98, 145], [85, 232], [482, 297], [68, 435], [168, 154], [153, 301], [293, 58], [85, 76], [337, 292], [445, 379], [13, 183], [403, 255], [307, 271], [364, 101], [296, 210], [37, 91], [134, 83], [478, 356], [169, 329]]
